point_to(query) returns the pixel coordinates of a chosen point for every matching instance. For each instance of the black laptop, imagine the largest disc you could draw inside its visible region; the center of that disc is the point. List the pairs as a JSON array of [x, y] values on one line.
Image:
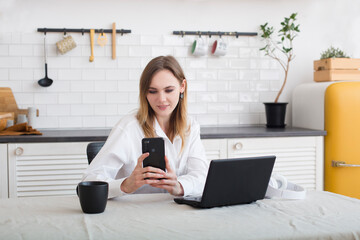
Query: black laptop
[[233, 181]]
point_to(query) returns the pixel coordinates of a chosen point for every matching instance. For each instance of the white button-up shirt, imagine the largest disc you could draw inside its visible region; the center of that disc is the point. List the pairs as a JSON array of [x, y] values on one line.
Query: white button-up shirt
[[118, 158]]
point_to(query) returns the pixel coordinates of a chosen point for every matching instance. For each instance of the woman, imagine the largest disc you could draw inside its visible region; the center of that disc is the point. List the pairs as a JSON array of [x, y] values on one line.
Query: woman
[[162, 113]]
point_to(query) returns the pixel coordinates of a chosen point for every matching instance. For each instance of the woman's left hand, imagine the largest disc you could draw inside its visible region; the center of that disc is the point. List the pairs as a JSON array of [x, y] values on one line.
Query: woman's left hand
[[170, 182]]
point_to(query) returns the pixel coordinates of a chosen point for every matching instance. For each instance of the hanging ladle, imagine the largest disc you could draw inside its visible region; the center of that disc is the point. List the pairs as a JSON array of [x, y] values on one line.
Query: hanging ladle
[[45, 82]]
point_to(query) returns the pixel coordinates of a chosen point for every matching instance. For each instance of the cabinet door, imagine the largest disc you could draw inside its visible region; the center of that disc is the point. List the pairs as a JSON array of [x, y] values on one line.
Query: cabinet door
[[45, 169], [3, 171], [215, 148], [299, 159]]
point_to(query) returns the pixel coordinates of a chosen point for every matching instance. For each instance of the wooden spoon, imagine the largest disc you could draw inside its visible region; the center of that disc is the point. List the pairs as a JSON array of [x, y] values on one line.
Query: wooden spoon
[[92, 33]]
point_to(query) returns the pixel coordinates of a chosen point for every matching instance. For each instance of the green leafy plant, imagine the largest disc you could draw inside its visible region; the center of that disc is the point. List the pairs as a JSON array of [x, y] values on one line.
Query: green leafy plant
[[332, 52], [287, 34]]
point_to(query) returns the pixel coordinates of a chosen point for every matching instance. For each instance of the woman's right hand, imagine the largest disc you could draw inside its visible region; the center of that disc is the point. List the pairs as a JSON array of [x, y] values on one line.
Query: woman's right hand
[[141, 176]]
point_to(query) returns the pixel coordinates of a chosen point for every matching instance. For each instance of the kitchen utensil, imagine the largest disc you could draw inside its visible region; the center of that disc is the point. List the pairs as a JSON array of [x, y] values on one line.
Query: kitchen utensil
[[45, 82], [102, 39], [66, 44], [92, 33], [32, 116], [114, 41], [219, 48], [199, 47], [21, 118], [93, 196]]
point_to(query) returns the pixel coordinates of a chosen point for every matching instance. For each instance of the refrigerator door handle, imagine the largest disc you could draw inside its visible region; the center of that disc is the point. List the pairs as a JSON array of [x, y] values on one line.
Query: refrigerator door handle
[[342, 164]]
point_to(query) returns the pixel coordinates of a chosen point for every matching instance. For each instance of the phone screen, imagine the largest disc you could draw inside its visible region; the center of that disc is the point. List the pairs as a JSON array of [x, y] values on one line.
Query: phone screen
[[155, 147]]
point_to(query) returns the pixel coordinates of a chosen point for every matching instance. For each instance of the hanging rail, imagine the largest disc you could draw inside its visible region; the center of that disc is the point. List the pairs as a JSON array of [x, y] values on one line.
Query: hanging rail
[[209, 33], [80, 30]]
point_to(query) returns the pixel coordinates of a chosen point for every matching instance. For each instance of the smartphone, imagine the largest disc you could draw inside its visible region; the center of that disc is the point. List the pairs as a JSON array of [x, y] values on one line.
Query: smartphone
[[156, 148]]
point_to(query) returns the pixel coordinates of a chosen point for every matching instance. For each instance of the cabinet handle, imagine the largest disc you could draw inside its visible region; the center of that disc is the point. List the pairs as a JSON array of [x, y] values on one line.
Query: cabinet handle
[[238, 146], [343, 164], [19, 151]]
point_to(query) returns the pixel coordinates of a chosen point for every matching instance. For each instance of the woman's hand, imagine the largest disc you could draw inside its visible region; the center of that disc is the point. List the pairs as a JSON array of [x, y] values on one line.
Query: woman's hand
[[169, 181], [141, 176]]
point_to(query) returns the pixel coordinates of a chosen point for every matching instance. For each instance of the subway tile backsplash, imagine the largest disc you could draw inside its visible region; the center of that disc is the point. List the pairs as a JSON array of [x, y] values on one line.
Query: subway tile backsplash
[[226, 90]]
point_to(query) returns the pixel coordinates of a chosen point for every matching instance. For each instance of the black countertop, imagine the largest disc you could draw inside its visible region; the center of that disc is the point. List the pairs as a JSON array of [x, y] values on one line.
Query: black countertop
[[257, 131], [88, 134]]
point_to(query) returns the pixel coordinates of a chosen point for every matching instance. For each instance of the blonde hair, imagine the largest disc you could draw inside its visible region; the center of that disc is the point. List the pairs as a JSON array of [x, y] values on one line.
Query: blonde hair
[[146, 115]]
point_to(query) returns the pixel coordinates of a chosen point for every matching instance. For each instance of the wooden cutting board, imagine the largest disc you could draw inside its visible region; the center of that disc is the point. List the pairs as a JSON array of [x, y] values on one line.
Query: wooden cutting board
[[8, 103]]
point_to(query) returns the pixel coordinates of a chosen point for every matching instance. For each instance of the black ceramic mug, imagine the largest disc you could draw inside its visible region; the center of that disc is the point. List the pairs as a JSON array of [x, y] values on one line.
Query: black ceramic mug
[[93, 196]]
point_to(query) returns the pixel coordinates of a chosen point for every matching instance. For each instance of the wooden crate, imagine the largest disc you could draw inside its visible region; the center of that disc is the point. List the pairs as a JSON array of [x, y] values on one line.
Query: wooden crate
[[337, 69]]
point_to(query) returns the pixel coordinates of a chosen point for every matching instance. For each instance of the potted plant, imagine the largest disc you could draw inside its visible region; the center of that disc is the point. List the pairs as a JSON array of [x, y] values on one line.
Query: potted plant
[[275, 111], [332, 52], [334, 65]]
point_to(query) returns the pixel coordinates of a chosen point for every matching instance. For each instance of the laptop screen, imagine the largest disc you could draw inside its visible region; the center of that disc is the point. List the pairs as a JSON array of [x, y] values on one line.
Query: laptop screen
[[237, 180]]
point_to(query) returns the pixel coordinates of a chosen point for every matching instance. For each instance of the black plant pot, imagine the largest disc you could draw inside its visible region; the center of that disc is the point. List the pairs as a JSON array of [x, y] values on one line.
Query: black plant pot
[[275, 114]]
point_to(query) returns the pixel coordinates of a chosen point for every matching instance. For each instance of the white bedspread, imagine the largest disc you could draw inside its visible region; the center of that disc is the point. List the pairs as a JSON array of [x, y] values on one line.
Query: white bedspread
[[322, 215]]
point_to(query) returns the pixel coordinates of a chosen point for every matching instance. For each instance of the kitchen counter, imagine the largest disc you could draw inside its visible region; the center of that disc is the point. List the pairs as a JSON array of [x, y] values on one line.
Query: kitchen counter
[[83, 135], [257, 131]]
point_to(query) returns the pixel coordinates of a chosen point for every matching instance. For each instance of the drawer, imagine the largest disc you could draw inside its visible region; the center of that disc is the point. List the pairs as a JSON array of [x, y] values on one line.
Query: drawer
[[264, 144]]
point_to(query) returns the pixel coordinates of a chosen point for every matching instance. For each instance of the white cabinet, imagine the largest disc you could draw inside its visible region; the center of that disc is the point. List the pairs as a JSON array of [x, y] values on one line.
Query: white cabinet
[[215, 148], [3, 171], [45, 169], [299, 159], [50, 169]]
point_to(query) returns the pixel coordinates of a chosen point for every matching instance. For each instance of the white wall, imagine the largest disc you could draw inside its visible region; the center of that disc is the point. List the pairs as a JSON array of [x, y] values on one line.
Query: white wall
[[226, 90]]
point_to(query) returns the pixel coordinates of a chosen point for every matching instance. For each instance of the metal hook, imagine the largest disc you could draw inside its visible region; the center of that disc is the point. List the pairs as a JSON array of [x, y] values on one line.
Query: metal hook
[[122, 32], [82, 31], [182, 33], [45, 31], [64, 31], [209, 33], [219, 33], [199, 33], [237, 34], [102, 32]]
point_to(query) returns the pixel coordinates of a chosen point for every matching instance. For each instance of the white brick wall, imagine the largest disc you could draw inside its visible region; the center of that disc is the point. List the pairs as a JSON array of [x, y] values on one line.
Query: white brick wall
[[224, 90]]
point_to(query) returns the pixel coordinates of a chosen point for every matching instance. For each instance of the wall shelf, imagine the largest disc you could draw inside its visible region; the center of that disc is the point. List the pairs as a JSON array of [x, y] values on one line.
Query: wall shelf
[[81, 30], [212, 33]]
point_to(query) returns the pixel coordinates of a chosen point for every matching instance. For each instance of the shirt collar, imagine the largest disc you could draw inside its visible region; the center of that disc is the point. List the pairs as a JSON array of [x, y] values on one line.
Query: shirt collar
[[160, 133], [158, 129]]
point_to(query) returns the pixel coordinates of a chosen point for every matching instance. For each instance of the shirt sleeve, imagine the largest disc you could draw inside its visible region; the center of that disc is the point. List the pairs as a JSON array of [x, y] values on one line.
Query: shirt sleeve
[[197, 165], [107, 163]]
